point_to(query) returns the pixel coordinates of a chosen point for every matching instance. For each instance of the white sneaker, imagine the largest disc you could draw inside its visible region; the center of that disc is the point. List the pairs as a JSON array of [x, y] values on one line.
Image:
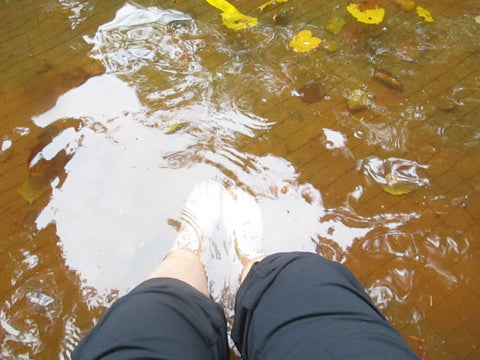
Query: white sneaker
[[199, 217], [242, 219]]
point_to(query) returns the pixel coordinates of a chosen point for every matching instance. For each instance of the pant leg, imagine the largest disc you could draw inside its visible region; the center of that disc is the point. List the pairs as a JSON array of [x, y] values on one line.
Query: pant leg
[[302, 306], [162, 318]]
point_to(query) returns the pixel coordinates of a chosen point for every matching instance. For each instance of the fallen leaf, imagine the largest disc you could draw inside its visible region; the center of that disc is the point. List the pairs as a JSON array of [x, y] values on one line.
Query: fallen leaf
[[282, 18], [388, 79], [406, 5], [351, 34], [223, 5], [271, 2], [394, 186], [304, 41], [335, 25], [367, 14], [238, 21], [231, 17], [172, 128], [311, 92], [396, 176], [358, 100], [31, 190], [368, 5], [445, 103], [424, 13]]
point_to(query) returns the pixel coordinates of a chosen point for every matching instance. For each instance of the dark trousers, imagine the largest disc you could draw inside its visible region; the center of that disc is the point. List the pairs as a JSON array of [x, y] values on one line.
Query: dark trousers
[[290, 306]]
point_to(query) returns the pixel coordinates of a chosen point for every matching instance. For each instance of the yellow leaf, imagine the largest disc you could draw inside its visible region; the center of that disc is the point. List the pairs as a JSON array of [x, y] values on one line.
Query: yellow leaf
[[373, 15], [358, 100], [271, 2], [231, 17], [424, 13], [304, 41], [172, 128], [235, 20], [396, 190], [477, 19], [335, 25], [223, 5], [394, 187], [406, 5], [31, 190]]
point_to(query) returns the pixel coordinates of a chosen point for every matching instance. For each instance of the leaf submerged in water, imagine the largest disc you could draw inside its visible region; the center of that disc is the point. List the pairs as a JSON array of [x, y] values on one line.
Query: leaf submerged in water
[[304, 41], [172, 128], [231, 17], [335, 25], [311, 92], [424, 13], [367, 12], [406, 5], [396, 176], [394, 186], [388, 79], [31, 189], [358, 100]]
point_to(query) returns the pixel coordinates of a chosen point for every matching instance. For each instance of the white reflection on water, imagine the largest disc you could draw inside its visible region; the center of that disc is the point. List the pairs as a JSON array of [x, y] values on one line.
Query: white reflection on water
[[101, 98], [127, 181], [34, 307], [130, 173], [111, 212]]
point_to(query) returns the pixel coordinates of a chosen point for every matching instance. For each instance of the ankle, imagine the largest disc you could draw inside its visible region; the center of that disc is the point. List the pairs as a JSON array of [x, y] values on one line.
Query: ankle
[[247, 267], [186, 254]]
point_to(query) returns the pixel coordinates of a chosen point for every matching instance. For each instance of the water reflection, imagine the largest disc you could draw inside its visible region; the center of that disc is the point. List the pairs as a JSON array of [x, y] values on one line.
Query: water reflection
[[33, 308], [183, 101], [396, 175], [158, 50], [130, 172], [128, 178]]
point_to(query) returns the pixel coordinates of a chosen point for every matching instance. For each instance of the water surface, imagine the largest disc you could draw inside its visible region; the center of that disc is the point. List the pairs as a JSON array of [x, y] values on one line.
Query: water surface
[[112, 112]]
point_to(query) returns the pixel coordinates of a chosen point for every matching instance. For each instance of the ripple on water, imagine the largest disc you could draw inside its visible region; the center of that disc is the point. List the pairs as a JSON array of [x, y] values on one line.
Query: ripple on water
[[129, 175], [34, 308]]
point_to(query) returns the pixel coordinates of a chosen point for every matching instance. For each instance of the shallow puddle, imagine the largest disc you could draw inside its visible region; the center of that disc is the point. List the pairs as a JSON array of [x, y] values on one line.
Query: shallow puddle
[[365, 150]]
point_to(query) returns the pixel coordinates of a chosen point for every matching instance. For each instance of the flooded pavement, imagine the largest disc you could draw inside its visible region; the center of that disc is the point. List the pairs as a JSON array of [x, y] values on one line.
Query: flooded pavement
[[365, 150]]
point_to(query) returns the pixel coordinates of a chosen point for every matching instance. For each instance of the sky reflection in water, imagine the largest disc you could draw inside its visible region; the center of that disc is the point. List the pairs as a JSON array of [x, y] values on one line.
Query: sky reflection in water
[[129, 175], [127, 178]]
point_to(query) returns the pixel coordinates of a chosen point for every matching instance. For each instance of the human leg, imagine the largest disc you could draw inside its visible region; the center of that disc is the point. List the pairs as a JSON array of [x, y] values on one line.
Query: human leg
[[302, 306], [183, 265], [168, 316]]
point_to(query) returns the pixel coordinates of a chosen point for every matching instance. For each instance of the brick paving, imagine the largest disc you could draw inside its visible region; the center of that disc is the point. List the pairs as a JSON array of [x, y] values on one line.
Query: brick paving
[[433, 264]]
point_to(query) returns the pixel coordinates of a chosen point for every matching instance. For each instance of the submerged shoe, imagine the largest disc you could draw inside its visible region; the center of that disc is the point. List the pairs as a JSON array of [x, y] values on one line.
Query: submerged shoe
[[242, 219], [199, 217]]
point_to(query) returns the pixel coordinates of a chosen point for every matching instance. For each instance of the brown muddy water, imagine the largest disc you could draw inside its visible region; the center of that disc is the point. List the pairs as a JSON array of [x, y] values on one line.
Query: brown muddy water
[[111, 112]]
